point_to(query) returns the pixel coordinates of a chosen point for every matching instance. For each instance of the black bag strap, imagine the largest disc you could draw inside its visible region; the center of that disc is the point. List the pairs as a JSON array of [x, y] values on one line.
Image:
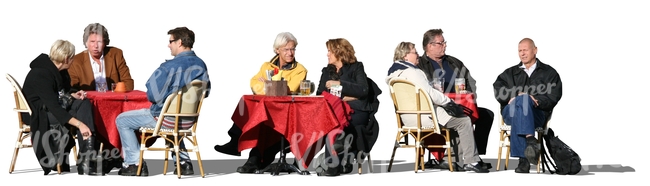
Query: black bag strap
[[545, 158]]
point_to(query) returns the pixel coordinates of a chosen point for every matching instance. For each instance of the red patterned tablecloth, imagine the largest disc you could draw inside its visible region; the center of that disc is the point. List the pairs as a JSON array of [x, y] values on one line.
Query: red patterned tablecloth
[[303, 120], [108, 105]]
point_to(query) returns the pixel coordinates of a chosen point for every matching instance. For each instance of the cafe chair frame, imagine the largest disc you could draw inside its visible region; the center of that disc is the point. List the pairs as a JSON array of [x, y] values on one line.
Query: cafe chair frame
[[504, 141], [184, 103], [411, 99], [22, 107]]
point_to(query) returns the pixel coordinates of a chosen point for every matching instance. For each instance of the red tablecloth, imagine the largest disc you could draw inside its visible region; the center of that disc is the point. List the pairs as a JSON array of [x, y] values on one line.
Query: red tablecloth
[[303, 120], [470, 108], [106, 107]]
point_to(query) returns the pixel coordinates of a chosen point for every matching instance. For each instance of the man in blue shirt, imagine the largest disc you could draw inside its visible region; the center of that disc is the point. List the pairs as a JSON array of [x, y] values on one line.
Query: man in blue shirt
[[170, 77], [437, 64]]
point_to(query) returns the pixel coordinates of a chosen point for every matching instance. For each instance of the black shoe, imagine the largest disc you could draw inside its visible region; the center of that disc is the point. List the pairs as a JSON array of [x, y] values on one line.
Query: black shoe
[[444, 165], [229, 148], [487, 166], [186, 168], [476, 168], [532, 150], [331, 171], [248, 167], [523, 167], [65, 167], [132, 170]]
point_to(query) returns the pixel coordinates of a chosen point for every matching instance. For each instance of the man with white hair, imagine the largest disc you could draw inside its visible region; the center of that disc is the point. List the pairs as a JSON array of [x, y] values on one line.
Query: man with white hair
[[292, 72]]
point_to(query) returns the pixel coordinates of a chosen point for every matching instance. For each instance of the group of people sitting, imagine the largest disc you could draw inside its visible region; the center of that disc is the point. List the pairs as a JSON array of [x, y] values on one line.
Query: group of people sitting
[[517, 92], [55, 88], [527, 92]]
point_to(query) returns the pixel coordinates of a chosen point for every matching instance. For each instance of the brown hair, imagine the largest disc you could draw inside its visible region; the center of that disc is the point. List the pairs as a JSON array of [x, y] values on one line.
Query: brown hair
[[342, 50], [429, 36], [184, 34]]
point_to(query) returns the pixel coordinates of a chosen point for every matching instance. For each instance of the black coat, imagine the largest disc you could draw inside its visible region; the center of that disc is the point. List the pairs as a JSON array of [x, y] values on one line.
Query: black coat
[[356, 84], [424, 63], [544, 84], [41, 89]]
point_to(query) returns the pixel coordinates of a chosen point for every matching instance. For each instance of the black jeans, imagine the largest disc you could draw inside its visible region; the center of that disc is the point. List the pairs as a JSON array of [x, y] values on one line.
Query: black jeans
[[482, 128], [83, 111], [349, 150]]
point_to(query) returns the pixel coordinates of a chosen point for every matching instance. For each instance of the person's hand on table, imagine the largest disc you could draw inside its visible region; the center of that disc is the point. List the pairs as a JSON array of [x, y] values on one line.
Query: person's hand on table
[[79, 95], [331, 83]]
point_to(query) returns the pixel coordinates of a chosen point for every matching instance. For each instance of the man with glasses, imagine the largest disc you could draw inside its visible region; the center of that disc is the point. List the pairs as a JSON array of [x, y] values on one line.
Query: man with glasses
[[293, 72], [168, 78], [437, 64]]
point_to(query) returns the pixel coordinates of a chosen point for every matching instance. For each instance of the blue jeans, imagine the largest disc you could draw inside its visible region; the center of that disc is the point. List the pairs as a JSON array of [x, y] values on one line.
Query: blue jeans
[[130, 121], [523, 117]]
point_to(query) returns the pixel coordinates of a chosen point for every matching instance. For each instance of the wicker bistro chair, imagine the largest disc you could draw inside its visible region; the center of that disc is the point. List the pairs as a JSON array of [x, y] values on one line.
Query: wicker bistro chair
[[410, 99], [185, 103], [504, 141], [24, 111]]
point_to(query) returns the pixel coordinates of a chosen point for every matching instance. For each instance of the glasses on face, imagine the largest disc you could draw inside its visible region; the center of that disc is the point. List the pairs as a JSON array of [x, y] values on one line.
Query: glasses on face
[[439, 43], [289, 49], [416, 53], [171, 41]]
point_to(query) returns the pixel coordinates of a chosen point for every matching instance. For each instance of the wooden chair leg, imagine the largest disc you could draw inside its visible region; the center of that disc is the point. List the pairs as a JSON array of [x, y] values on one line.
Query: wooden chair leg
[[417, 158], [74, 153], [178, 157], [19, 144], [141, 160], [166, 160], [507, 156], [451, 167], [198, 156], [501, 142]]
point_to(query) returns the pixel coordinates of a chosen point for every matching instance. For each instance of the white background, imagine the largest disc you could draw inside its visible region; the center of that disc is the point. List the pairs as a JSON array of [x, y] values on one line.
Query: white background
[[597, 47]]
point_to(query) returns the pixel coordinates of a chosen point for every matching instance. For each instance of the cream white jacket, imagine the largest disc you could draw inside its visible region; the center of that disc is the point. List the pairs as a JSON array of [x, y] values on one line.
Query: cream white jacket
[[419, 79]]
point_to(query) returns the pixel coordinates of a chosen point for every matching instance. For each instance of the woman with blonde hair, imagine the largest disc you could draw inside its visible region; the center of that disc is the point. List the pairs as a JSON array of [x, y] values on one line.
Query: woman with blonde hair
[[48, 93]]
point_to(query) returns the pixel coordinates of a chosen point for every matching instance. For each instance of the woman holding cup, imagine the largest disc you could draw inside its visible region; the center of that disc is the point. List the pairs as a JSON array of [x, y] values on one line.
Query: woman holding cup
[[345, 76]]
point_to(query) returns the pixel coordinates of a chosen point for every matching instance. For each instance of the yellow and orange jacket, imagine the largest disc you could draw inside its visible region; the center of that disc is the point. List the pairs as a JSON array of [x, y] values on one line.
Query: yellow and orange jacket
[[293, 73]]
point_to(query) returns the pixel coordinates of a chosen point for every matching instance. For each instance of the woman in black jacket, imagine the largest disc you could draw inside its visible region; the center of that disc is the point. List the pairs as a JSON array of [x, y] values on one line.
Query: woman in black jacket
[[47, 90], [344, 70]]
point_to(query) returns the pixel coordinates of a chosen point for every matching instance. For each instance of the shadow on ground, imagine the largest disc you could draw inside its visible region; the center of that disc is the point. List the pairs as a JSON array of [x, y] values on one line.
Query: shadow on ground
[[223, 167]]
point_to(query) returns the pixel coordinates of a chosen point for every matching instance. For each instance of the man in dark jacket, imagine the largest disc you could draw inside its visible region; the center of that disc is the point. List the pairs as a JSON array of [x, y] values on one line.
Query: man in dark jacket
[[437, 64], [527, 93]]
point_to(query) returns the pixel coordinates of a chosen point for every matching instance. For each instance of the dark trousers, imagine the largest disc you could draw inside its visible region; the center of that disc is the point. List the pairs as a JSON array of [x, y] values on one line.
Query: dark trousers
[[482, 128], [255, 155], [344, 148], [83, 111]]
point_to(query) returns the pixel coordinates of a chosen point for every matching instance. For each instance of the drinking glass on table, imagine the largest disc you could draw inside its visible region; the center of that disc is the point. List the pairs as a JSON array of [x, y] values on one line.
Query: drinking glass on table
[[101, 87], [459, 85], [437, 83], [305, 87]]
